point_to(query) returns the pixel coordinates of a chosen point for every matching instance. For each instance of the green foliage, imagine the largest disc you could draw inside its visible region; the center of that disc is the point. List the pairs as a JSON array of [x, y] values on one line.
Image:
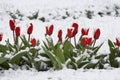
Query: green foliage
[[114, 54], [22, 54], [72, 57]]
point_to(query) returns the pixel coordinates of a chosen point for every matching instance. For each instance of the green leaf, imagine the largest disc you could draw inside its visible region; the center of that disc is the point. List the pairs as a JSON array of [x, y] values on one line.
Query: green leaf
[[90, 65], [50, 43], [82, 64], [3, 49], [45, 44], [59, 53], [79, 61], [74, 65], [4, 63], [54, 59], [16, 41], [10, 46], [44, 55], [49, 63], [17, 58], [96, 50], [111, 47], [34, 51], [37, 65], [38, 43], [25, 42], [68, 50], [101, 56], [2, 60], [110, 43]]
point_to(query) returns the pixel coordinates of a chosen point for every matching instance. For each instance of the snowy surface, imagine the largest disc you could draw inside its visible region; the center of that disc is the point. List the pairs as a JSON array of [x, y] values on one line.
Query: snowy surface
[[65, 74], [109, 25]]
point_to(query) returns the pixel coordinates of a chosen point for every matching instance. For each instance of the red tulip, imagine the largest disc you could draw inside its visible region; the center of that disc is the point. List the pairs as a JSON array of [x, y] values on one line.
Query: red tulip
[[84, 41], [17, 31], [70, 33], [60, 35], [84, 31], [97, 34], [33, 41], [117, 42], [89, 41], [75, 31], [30, 29], [1, 36], [12, 24], [49, 30]]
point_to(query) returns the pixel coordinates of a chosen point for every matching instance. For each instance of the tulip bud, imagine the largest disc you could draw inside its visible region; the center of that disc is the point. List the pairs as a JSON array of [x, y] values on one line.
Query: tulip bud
[[17, 31], [84, 31], [117, 42], [60, 36], [97, 34], [89, 41], [30, 29], [1, 36], [75, 31], [49, 30], [84, 41], [12, 24], [70, 33], [33, 42]]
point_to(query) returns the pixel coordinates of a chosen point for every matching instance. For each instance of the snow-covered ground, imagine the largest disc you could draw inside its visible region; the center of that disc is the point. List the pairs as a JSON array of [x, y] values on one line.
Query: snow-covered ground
[[54, 11], [65, 74]]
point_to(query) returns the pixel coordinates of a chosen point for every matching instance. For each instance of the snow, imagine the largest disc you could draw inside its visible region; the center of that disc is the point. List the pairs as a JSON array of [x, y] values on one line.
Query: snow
[[109, 25], [65, 74]]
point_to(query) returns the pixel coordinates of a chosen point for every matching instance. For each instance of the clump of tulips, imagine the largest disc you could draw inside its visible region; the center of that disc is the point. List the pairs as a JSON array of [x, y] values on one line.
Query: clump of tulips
[[114, 56], [23, 52], [82, 53]]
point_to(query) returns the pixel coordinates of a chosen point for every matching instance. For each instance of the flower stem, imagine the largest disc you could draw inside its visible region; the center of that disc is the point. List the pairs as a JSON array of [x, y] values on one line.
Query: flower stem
[[29, 38], [75, 41], [94, 43], [70, 40], [13, 36]]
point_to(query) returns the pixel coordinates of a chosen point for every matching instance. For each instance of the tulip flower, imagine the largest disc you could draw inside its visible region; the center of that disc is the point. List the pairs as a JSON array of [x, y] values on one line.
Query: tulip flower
[[49, 30], [33, 42], [86, 41], [12, 27], [12, 24], [97, 34], [89, 41], [1, 36], [75, 31], [60, 36], [84, 31], [30, 29], [118, 42], [17, 31], [70, 33]]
